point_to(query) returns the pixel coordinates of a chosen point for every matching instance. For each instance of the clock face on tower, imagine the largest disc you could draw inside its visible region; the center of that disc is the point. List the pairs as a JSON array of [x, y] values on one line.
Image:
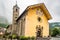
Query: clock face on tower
[[39, 12]]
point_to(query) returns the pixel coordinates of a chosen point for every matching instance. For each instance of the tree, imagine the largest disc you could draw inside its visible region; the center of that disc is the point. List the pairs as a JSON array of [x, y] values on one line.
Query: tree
[[55, 32]]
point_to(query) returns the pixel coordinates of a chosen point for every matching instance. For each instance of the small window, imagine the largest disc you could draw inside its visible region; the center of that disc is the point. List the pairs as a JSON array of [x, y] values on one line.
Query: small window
[[39, 19], [16, 10], [15, 17]]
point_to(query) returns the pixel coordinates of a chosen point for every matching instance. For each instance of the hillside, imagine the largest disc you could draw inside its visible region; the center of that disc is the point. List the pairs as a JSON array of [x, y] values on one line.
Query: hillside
[[3, 25], [3, 22], [54, 24]]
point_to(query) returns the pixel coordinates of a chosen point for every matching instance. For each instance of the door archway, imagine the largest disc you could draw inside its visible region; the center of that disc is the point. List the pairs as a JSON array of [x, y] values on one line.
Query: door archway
[[39, 31]]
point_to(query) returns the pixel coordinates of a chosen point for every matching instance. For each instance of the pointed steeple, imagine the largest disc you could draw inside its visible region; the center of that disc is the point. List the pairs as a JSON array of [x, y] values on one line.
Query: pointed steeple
[[16, 2], [16, 5]]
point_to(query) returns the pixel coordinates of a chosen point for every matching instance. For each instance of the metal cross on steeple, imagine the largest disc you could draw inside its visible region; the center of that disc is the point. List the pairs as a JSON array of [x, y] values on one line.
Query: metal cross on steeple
[[16, 2], [16, 5]]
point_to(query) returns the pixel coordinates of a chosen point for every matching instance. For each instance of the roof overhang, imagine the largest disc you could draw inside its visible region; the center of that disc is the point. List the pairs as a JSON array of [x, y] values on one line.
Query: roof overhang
[[42, 6]]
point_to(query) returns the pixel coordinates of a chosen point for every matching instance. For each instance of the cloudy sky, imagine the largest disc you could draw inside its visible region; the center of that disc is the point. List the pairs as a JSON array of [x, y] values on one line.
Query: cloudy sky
[[6, 6]]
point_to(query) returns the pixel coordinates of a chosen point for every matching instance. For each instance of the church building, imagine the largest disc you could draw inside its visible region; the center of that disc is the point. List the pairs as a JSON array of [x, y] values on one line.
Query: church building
[[32, 22]]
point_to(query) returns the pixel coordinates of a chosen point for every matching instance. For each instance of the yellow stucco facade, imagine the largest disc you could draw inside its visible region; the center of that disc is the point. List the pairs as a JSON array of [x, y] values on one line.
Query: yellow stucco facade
[[32, 22], [33, 18]]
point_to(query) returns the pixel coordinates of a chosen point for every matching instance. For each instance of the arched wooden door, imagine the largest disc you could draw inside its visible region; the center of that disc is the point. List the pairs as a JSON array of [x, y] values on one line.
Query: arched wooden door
[[39, 31]]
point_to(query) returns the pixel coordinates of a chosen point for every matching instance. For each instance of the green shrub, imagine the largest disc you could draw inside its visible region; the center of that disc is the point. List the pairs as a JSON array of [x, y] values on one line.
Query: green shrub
[[14, 36], [23, 38], [26, 38], [55, 32], [32, 37]]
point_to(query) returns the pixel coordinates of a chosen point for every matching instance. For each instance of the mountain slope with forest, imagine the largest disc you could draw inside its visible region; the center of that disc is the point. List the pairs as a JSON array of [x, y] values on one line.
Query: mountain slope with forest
[[54, 24]]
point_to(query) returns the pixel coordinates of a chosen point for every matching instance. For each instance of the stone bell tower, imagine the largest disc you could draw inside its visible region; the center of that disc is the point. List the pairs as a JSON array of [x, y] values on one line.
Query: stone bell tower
[[15, 16]]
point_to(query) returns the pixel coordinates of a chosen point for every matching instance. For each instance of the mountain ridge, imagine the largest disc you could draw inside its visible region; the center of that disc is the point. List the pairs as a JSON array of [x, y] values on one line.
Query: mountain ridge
[[54, 24]]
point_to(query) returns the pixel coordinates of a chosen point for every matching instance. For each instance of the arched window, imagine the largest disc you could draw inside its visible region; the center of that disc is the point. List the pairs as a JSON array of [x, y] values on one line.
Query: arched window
[[16, 9]]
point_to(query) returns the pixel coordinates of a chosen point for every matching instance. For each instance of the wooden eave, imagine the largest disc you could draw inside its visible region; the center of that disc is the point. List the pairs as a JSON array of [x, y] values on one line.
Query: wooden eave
[[42, 6]]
